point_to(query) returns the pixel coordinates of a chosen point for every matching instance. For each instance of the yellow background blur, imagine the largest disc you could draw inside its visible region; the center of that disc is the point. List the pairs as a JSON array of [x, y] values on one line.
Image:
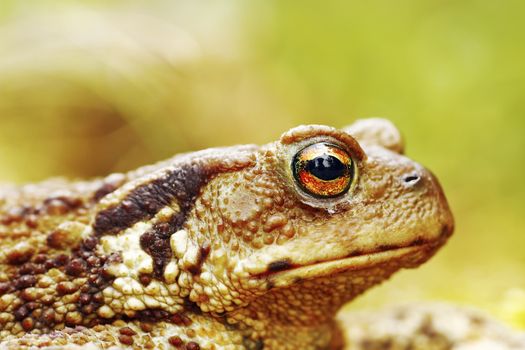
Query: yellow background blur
[[87, 88]]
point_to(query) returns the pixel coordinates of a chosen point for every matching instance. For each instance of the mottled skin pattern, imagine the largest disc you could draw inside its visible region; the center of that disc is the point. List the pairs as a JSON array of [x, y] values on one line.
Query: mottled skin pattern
[[217, 249]]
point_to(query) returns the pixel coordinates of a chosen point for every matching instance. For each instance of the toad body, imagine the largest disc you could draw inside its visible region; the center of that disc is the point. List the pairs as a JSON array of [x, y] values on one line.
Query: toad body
[[247, 247]]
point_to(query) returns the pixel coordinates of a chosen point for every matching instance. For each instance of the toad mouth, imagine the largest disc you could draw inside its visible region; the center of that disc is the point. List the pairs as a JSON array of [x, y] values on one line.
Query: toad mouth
[[292, 273]]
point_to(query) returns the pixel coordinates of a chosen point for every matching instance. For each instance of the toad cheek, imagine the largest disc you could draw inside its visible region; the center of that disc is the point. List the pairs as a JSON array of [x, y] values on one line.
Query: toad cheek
[[414, 220]]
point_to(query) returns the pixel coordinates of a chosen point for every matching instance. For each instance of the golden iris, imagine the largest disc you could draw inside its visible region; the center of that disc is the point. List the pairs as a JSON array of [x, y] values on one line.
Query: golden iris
[[323, 170]]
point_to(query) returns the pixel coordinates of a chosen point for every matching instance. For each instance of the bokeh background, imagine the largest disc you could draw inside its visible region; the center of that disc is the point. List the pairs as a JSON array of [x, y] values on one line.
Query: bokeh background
[[88, 88]]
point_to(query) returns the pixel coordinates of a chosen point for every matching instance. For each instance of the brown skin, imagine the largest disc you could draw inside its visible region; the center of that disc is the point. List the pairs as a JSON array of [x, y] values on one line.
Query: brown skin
[[220, 249]]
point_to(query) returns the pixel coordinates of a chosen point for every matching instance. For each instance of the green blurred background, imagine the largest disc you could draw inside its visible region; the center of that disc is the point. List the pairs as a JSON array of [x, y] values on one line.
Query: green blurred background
[[87, 88]]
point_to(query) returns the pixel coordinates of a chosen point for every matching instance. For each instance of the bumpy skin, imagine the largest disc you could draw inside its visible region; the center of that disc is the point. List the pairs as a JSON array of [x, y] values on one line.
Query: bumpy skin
[[428, 327], [219, 249]]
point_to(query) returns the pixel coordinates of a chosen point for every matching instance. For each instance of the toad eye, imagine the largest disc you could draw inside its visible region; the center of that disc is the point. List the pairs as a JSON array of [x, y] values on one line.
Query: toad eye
[[323, 170]]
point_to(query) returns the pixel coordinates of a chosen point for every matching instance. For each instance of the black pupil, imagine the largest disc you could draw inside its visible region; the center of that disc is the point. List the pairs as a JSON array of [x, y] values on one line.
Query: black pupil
[[326, 167]]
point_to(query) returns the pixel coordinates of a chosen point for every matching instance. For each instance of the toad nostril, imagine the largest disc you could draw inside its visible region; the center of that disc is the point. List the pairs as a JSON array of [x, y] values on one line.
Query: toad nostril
[[411, 179]]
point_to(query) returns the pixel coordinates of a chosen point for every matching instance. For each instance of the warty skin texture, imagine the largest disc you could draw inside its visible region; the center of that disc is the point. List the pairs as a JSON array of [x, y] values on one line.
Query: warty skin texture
[[429, 326], [218, 249]]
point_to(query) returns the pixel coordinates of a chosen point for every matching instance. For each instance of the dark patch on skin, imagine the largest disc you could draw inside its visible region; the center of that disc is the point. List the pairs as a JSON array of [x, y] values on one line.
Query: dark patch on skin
[[156, 315], [61, 205], [66, 288], [192, 346], [279, 265], [18, 257], [385, 247], [156, 243], [5, 287], [21, 313], [204, 251], [55, 239], [418, 241], [25, 281], [195, 270], [145, 279], [178, 343], [355, 253], [251, 344], [175, 341], [62, 239], [182, 183], [297, 280], [60, 260], [110, 184], [76, 267], [127, 331], [90, 243], [180, 319], [428, 330], [125, 339], [192, 306], [32, 221], [31, 268]]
